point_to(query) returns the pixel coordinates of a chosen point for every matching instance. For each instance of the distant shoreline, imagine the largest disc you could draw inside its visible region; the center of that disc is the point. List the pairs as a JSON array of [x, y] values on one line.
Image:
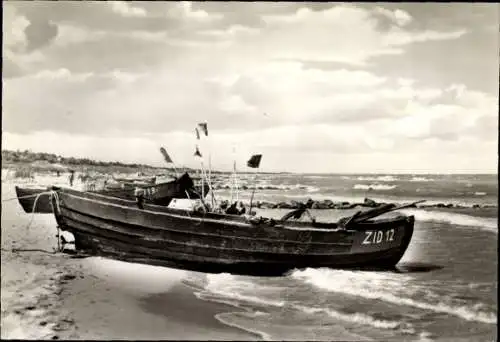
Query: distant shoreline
[[16, 159]]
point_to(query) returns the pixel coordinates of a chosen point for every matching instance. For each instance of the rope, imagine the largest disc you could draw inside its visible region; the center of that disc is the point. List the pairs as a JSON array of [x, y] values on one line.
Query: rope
[[56, 197], [187, 211], [16, 250], [34, 205], [27, 196], [58, 208]]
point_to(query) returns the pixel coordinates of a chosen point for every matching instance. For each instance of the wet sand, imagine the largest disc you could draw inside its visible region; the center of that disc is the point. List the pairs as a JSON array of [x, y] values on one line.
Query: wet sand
[[116, 300], [54, 296]]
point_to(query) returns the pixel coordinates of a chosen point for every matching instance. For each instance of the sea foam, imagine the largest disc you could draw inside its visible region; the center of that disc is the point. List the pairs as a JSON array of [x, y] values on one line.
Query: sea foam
[[378, 178], [237, 291], [488, 224], [374, 286], [380, 187], [421, 179]]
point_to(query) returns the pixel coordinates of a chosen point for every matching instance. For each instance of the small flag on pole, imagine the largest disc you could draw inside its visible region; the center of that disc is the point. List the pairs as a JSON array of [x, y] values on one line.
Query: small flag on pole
[[204, 127], [197, 133], [254, 161], [197, 153], [165, 155]]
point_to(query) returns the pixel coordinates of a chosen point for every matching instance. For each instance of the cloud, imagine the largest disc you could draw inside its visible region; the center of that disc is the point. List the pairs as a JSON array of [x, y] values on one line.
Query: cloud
[[398, 16], [276, 94], [331, 43], [283, 78], [10, 68], [39, 33], [13, 26], [125, 9], [471, 113], [185, 10], [397, 36]]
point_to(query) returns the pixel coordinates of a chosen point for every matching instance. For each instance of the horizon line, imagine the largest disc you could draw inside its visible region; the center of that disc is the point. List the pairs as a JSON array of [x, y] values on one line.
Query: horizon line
[[272, 172]]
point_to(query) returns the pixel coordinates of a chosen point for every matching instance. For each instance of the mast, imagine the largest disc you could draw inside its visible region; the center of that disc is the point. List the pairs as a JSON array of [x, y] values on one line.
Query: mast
[[254, 163], [204, 177], [234, 179]]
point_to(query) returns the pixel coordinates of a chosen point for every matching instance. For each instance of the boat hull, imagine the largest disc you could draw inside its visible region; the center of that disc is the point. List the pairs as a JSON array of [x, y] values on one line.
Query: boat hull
[[160, 194], [212, 243], [27, 197]]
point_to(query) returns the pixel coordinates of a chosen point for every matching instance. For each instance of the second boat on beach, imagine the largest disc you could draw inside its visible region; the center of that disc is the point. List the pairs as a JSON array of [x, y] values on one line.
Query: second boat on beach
[[160, 194]]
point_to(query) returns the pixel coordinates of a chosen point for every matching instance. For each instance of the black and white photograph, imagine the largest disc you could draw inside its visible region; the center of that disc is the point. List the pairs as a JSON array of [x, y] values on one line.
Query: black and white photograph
[[252, 171]]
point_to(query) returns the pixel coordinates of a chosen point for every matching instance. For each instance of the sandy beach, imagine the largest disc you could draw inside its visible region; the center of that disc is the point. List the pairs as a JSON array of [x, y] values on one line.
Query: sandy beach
[[54, 296]]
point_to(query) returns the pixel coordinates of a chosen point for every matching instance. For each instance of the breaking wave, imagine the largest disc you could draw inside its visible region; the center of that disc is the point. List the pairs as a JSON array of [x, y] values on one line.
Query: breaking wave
[[232, 290], [369, 285], [380, 187], [421, 179], [378, 178], [267, 186], [356, 317], [489, 224]]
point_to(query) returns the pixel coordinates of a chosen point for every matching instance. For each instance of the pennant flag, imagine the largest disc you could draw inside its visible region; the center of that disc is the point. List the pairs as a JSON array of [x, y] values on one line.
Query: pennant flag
[[204, 128], [165, 155], [197, 133], [197, 153], [254, 161]]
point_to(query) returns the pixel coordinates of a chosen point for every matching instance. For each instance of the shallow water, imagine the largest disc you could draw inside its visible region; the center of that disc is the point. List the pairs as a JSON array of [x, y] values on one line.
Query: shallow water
[[446, 288]]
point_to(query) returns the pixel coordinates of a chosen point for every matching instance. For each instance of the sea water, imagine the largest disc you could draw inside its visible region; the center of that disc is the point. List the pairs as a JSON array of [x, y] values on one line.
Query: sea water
[[446, 285]]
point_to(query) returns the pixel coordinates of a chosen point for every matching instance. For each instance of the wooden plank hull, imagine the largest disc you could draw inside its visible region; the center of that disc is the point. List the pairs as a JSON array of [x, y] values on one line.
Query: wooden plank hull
[[160, 194], [214, 243], [27, 197]]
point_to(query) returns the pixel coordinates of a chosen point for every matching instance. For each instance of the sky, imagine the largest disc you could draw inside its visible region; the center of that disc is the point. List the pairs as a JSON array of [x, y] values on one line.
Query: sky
[[313, 87]]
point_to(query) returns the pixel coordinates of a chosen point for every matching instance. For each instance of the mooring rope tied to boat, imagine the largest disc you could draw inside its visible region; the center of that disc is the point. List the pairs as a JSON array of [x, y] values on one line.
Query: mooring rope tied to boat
[[17, 250], [37, 196], [58, 208], [27, 196]]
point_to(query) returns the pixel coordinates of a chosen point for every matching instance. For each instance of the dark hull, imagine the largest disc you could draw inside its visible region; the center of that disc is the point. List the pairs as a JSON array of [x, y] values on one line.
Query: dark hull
[[27, 197], [162, 194], [159, 194], [215, 243]]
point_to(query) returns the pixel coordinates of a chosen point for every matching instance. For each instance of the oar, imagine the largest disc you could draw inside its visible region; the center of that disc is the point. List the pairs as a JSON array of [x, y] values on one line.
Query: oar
[[364, 216]]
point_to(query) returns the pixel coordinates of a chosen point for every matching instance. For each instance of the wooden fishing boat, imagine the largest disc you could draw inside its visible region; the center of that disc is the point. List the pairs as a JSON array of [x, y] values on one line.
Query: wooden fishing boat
[[28, 196], [160, 194], [212, 242], [136, 180]]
